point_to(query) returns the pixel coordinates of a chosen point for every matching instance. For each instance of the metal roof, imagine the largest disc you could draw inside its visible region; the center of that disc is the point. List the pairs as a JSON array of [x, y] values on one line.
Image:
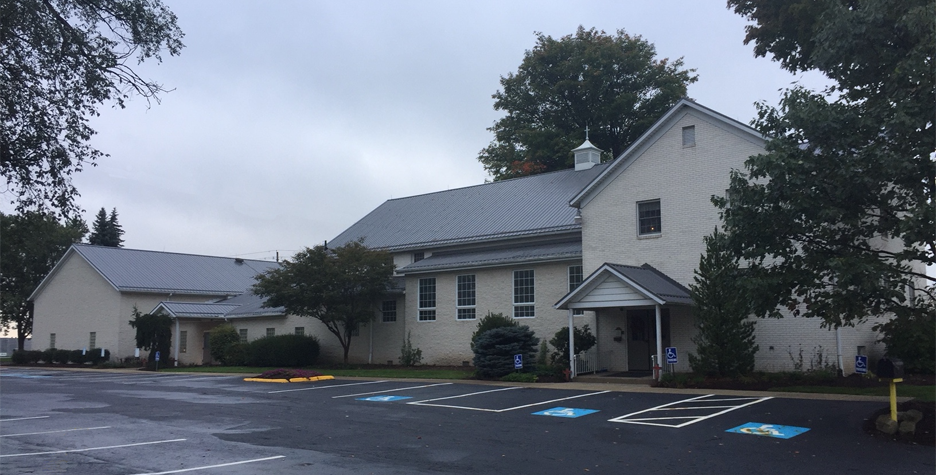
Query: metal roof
[[645, 279], [188, 309], [543, 252], [131, 270], [526, 206]]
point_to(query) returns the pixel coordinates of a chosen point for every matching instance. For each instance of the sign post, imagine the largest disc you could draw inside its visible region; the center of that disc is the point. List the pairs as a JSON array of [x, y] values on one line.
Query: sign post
[[672, 357], [861, 364]]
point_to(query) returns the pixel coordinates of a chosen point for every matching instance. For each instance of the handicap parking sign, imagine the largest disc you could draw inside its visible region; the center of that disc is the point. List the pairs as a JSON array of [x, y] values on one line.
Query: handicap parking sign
[[671, 357], [861, 364], [518, 361]]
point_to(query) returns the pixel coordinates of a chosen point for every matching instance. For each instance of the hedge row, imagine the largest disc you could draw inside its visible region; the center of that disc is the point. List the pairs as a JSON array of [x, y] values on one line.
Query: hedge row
[[280, 350], [53, 355]]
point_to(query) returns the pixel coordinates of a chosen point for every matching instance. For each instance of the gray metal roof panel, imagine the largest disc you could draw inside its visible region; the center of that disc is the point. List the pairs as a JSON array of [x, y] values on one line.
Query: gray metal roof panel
[[498, 256], [153, 271], [189, 309], [655, 282], [250, 304], [521, 206]]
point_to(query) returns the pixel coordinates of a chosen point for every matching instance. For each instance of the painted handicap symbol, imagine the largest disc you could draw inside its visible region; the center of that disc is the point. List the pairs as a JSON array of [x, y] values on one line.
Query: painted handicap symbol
[[766, 429], [769, 430], [384, 398], [568, 412]]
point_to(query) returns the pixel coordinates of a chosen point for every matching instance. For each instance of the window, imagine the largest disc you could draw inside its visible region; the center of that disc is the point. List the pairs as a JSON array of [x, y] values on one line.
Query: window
[[576, 276], [271, 332], [688, 136], [427, 299], [388, 311], [648, 218], [243, 335], [465, 297], [92, 341], [52, 340], [418, 256], [728, 198], [300, 331], [183, 341], [523, 294]]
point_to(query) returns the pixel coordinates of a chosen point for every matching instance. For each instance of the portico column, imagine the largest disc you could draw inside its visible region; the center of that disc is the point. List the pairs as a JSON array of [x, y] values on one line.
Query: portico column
[[571, 346], [659, 341], [175, 340]]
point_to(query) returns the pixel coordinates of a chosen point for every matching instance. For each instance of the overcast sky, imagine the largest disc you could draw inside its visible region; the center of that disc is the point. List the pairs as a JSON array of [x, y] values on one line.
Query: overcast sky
[[290, 120]]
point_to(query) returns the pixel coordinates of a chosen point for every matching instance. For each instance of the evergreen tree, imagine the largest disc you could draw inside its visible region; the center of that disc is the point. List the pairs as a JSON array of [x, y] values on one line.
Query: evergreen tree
[[106, 231], [725, 342]]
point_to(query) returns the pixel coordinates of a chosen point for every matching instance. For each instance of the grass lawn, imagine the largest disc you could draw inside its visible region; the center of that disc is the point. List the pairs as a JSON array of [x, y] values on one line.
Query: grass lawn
[[921, 393], [422, 373]]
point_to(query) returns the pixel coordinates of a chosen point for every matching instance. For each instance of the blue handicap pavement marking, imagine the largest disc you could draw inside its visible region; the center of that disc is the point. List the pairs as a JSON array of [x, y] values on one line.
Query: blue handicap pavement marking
[[384, 398], [569, 412], [769, 430]]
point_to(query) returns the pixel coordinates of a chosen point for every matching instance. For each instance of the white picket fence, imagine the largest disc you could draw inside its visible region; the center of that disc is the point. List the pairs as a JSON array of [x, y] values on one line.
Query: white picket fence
[[585, 362]]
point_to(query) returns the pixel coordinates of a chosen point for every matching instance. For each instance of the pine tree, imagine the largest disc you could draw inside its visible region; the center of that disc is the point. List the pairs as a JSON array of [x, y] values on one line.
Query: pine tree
[[725, 343], [106, 230]]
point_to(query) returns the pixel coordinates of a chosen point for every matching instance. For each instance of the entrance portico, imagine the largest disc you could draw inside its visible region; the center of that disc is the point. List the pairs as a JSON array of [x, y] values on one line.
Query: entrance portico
[[636, 308]]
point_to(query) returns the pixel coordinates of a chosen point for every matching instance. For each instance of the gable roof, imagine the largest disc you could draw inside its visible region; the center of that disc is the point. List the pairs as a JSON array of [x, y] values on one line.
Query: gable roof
[[645, 141], [131, 270], [245, 305], [654, 286], [498, 256], [526, 206]]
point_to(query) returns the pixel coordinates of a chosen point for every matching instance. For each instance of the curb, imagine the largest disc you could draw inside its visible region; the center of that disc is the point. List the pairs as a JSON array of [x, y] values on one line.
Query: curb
[[291, 380]]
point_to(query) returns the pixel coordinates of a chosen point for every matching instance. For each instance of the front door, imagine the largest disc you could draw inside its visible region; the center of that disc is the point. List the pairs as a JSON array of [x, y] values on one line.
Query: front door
[[641, 337], [206, 349]]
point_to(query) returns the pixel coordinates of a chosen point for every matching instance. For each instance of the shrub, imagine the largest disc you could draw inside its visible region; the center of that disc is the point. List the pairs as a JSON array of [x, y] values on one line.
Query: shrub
[[94, 356], [408, 355], [490, 322], [912, 338], [494, 350], [519, 378], [18, 357], [61, 356], [236, 354], [289, 374], [76, 357], [283, 350], [584, 341], [221, 339], [48, 356]]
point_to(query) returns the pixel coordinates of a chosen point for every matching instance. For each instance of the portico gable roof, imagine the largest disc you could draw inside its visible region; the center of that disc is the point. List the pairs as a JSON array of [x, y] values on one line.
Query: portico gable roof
[[616, 285]]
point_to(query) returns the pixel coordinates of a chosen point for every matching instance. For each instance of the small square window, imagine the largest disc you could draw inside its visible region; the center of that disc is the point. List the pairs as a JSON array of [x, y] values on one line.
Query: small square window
[[688, 136], [270, 332], [649, 220], [418, 256], [243, 335], [300, 331]]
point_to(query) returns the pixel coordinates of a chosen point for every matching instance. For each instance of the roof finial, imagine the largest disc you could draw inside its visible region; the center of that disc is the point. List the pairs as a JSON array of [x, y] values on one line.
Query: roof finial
[[586, 132]]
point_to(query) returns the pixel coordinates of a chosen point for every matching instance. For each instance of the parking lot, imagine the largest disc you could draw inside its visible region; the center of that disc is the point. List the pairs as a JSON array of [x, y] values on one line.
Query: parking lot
[[88, 422]]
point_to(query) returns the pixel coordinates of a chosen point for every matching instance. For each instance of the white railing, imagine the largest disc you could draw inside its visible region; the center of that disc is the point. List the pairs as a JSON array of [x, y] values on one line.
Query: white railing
[[585, 362]]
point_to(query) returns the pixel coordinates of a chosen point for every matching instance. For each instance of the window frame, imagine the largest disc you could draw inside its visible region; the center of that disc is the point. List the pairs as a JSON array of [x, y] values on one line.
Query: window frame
[[580, 275], [92, 340], [688, 136], [270, 332], [658, 218], [183, 341], [385, 316], [524, 302], [427, 312], [242, 334], [299, 331], [466, 297]]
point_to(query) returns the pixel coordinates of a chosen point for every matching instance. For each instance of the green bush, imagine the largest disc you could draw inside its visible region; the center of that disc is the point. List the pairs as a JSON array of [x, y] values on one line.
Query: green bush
[[19, 357], [222, 337], [519, 378], [410, 356], [61, 356], [912, 338], [494, 350], [490, 322], [76, 357], [283, 350], [94, 356], [584, 341], [48, 356], [236, 354]]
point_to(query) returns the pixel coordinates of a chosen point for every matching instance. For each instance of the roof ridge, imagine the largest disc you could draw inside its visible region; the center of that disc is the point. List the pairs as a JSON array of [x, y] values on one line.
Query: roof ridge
[[84, 245]]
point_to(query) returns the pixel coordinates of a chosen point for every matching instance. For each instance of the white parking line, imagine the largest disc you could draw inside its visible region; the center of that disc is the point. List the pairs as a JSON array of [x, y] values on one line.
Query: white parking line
[[657, 421], [23, 418], [55, 431], [324, 387], [425, 402], [92, 448], [206, 467], [392, 390]]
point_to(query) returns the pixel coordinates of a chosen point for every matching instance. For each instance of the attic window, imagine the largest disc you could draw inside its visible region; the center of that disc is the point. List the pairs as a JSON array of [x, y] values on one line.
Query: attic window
[[688, 136], [418, 256]]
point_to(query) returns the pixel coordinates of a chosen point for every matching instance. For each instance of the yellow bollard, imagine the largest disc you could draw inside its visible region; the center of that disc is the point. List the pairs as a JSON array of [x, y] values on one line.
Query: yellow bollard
[[893, 397]]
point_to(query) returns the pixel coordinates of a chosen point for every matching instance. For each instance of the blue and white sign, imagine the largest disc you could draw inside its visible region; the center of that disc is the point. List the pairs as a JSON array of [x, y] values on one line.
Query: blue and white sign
[[861, 364], [569, 412], [518, 361], [384, 398], [671, 356], [157, 356], [768, 430]]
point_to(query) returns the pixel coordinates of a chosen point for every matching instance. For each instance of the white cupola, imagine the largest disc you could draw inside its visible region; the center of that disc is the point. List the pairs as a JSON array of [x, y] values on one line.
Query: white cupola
[[586, 155]]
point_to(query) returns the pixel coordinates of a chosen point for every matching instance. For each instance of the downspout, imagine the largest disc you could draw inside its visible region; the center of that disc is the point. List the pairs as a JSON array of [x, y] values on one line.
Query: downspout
[[176, 341], [370, 344], [659, 342], [838, 349]]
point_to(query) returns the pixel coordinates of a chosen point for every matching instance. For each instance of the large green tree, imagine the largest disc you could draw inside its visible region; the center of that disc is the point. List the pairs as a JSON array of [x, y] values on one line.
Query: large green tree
[[340, 287], [106, 231], [725, 342], [612, 84], [30, 245], [60, 60], [836, 216]]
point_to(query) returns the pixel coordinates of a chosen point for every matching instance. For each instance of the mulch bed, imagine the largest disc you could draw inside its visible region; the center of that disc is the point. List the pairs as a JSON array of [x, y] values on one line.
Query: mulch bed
[[925, 429]]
